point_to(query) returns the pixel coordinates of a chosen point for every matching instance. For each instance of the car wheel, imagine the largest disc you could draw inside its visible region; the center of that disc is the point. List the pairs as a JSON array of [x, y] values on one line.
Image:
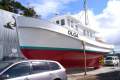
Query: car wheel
[[57, 79], [118, 64]]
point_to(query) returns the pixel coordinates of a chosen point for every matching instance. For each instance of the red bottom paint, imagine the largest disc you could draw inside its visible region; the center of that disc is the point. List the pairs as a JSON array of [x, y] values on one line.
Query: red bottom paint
[[68, 58]]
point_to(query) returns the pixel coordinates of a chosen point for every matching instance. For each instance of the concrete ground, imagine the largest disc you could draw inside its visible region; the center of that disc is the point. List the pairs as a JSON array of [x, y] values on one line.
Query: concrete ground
[[99, 74]]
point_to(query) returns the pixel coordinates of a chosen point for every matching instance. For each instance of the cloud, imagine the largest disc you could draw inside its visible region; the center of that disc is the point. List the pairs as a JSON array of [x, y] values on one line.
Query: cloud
[[111, 14], [46, 8], [108, 21], [91, 19]]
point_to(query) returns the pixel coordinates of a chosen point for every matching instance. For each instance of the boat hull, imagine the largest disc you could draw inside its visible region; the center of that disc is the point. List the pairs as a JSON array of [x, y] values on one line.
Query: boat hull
[[68, 58]]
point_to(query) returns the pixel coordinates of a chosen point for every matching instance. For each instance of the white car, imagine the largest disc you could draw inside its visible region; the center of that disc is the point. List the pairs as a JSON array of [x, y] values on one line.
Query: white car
[[111, 60], [32, 70]]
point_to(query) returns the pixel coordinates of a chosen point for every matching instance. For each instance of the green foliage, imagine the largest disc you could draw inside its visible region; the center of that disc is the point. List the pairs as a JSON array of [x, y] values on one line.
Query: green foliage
[[6, 5], [29, 12], [14, 6], [19, 5], [1, 7]]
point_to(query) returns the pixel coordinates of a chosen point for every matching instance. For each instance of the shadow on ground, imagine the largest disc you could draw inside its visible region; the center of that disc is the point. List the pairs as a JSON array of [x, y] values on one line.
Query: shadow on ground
[[115, 75], [109, 76], [78, 70]]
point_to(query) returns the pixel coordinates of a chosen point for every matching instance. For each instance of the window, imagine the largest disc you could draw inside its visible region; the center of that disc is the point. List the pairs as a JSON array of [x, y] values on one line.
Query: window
[[21, 69], [109, 58], [68, 20], [62, 22], [40, 67], [57, 22], [84, 32], [72, 24], [4, 65], [87, 33], [91, 34], [54, 66], [76, 27]]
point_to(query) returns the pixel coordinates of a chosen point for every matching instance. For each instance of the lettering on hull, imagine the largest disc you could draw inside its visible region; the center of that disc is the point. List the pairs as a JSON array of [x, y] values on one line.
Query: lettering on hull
[[73, 34]]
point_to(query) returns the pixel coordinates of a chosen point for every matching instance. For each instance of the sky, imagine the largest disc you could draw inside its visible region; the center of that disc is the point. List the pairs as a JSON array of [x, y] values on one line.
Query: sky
[[51, 7], [103, 15]]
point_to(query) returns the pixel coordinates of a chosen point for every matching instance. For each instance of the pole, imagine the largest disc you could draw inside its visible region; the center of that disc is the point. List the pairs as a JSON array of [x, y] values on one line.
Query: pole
[[20, 55], [85, 9], [114, 55], [84, 52]]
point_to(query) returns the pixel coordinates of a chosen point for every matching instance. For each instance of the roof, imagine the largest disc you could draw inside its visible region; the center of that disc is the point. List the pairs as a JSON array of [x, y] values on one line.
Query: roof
[[74, 19], [19, 59]]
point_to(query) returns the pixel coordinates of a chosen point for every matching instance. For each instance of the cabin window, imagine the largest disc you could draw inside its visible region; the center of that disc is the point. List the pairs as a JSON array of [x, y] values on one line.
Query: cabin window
[[62, 22], [76, 27], [88, 33], [57, 22], [84, 32], [91, 35], [72, 24], [68, 22]]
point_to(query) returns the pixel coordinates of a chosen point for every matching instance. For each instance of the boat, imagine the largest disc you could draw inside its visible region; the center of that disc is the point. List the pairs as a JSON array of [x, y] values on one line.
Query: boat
[[63, 39]]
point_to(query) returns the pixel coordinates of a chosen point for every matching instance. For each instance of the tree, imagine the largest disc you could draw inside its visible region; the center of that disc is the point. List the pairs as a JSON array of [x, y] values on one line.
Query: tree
[[14, 6], [29, 12], [6, 5]]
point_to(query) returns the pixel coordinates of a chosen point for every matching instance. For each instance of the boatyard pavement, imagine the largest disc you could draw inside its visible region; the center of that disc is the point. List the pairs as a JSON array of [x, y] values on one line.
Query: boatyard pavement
[[104, 73]]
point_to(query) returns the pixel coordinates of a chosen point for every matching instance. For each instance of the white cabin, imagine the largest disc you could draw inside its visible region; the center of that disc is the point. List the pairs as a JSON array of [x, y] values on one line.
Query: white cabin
[[70, 22]]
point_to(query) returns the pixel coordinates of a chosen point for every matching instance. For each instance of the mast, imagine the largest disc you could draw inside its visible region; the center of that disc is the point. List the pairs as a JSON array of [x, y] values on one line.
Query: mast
[[85, 9], [83, 43]]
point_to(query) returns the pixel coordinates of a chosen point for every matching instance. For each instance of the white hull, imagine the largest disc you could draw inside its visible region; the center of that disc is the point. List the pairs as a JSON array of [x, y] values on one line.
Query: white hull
[[39, 33]]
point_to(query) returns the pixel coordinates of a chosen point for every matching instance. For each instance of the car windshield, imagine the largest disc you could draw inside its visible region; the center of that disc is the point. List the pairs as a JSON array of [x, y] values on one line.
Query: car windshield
[[109, 58], [3, 65]]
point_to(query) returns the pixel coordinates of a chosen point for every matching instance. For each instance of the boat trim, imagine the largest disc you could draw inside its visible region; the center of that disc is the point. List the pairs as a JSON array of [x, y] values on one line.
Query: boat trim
[[54, 48]]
